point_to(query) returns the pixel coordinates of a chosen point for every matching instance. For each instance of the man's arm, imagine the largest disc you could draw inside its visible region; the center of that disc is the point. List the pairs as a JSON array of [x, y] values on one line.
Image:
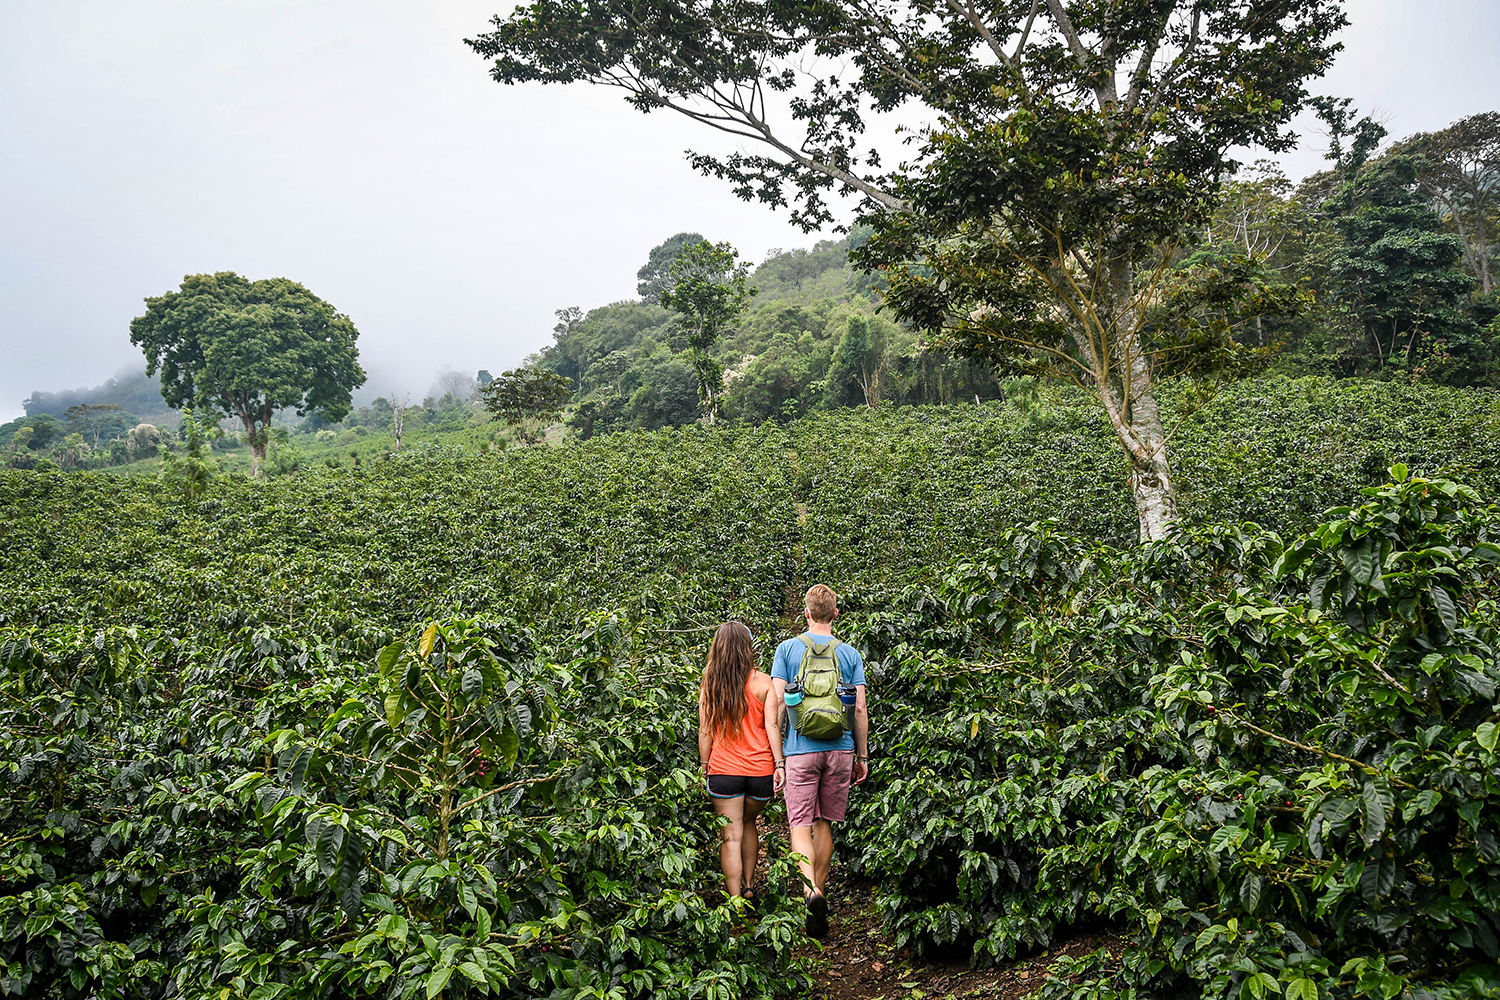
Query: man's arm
[[861, 736], [775, 708]]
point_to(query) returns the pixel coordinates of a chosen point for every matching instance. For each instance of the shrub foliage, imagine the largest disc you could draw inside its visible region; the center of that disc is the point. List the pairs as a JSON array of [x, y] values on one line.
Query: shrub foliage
[[425, 728]]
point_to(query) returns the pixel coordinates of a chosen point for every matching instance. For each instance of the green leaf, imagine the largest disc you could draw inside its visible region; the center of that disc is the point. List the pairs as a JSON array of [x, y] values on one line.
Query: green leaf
[[482, 924], [1446, 609], [473, 972], [1250, 892], [348, 709], [509, 744], [1293, 558], [1363, 563], [472, 684], [387, 658], [329, 839], [1377, 802], [351, 863], [1420, 804], [393, 711], [438, 980], [1302, 989], [1487, 735], [299, 770]]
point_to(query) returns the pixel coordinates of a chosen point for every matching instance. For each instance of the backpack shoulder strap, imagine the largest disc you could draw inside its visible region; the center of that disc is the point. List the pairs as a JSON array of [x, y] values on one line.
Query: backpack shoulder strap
[[809, 648]]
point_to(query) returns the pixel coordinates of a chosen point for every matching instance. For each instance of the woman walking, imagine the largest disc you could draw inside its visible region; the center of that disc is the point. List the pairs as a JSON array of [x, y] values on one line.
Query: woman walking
[[735, 711]]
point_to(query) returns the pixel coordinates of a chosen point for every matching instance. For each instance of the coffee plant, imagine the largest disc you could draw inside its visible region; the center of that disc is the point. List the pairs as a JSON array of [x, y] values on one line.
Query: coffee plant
[[1274, 765], [424, 727]]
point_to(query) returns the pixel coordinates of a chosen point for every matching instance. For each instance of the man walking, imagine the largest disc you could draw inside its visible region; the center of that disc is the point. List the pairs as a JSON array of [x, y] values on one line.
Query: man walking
[[826, 746]]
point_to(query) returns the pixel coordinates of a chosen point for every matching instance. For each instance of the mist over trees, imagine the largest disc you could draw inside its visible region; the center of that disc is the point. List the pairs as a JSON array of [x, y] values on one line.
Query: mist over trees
[[1374, 268]]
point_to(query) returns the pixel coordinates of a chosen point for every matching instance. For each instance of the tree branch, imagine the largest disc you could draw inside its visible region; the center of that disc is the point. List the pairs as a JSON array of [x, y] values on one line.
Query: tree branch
[[503, 788], [1319, 751]]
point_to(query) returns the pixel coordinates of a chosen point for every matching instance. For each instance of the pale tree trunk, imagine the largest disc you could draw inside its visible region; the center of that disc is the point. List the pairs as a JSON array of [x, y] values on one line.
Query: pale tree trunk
[[1127, 388], [1150, 472], [257, 423], [869, 382], [1137, 424], [398, 418]]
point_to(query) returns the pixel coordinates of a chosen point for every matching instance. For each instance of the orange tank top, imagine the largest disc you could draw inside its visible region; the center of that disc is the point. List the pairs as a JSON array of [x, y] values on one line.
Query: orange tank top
[[749, 753]]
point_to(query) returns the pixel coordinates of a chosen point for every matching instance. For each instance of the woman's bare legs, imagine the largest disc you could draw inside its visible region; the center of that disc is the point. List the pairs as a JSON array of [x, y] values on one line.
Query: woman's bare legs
[[731, 846], [750, 841]]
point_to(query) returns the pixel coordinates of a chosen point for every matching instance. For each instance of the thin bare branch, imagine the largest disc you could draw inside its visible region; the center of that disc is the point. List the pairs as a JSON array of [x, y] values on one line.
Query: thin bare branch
[[1036, 5]]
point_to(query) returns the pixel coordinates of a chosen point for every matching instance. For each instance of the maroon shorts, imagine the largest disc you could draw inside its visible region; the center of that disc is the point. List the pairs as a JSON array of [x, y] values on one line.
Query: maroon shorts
[[817, 786]]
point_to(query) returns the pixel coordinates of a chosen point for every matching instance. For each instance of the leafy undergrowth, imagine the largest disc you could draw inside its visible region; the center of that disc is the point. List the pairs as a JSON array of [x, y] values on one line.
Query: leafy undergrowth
[[427, 730], [1272, 762]]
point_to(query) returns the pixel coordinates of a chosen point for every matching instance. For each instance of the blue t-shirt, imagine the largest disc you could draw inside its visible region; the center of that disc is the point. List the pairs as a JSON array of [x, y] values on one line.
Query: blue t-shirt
[[788, 662]]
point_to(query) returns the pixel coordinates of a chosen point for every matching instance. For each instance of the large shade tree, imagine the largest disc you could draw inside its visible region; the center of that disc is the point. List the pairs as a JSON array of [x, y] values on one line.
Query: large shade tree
[[709, 286], [1459, 169], [1396, 273], [527, 398], [228, 345], [655, 276], [1068, 146]]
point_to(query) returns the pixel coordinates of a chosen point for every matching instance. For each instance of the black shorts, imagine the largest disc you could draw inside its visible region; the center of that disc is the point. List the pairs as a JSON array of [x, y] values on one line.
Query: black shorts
[[732, 786]]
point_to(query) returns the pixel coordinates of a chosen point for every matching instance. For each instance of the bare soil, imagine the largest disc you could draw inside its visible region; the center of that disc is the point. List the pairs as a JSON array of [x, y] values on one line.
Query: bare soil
[[859, 961]]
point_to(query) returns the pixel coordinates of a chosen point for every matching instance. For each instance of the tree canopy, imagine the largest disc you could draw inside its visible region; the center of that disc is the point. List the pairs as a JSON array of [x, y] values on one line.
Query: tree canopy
[[246, 349], [655, 276], [528, 398], [709, 287], [1459, 170], [1070, 147]]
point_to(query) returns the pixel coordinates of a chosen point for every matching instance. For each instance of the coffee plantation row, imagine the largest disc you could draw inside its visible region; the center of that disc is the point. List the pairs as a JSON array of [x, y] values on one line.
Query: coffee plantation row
[[425, 727]]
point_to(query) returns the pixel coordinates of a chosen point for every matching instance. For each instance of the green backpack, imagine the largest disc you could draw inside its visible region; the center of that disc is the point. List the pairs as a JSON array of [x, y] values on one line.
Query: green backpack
[[821, 715]]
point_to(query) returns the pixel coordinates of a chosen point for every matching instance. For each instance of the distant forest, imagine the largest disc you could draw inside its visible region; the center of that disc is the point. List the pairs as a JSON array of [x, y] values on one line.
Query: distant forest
[[1386, 264]]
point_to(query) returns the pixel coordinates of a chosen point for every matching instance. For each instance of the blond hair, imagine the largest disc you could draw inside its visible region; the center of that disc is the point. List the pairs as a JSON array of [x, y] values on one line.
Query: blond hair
[[822, 603]]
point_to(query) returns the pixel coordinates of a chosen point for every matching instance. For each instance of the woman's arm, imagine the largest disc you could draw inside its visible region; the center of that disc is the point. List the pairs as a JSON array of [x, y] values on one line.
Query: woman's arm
[[705, 740], [775, 707], [773, 733]]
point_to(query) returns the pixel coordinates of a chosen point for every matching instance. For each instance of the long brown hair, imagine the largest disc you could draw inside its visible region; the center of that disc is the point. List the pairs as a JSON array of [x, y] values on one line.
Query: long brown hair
[[730, 663]]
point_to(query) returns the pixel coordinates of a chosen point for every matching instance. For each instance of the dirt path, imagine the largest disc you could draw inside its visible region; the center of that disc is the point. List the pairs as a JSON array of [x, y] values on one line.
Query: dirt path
[[859, 961]]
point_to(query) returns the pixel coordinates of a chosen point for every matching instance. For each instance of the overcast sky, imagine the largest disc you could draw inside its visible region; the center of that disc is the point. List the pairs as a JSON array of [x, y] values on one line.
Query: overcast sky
[[361, 149]]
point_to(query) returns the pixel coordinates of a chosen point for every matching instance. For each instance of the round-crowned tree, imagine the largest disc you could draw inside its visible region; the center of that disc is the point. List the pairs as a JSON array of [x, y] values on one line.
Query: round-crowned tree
[[246, 349]]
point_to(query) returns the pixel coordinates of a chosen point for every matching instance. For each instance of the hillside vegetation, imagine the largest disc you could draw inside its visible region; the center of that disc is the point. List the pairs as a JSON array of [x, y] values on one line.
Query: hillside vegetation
[[424, 726]]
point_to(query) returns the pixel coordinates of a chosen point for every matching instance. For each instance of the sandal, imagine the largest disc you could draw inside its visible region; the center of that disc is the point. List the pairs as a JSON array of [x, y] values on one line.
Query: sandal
[[817, 916], [750, 896]]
